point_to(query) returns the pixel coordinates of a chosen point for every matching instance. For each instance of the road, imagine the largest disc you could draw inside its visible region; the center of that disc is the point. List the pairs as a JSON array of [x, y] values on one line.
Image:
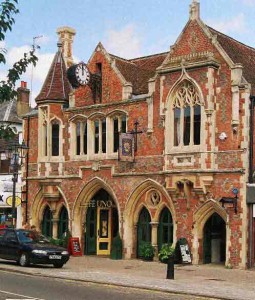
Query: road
[[20, 286]]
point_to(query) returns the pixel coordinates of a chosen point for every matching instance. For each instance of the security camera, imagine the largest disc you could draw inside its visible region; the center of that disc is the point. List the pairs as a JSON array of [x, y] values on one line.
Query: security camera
[[223, 136]]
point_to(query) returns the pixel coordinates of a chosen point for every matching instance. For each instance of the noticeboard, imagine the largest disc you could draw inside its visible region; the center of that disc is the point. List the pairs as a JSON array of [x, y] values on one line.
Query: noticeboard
[[74, 246], [183, 251]]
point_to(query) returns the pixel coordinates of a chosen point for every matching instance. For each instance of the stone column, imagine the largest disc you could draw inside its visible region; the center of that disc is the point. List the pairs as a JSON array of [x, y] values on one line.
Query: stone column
[[154, 237], [55, 228]]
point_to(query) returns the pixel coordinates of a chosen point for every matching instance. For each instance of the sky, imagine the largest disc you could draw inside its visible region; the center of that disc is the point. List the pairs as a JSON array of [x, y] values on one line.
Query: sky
[[130, 28]]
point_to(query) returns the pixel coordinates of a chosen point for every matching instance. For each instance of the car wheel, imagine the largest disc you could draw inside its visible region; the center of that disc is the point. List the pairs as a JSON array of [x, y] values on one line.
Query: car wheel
[[58, 265], [23, 260]]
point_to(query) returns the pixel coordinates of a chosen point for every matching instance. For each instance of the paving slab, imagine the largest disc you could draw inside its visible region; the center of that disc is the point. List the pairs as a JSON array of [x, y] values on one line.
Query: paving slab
[[204, 280]]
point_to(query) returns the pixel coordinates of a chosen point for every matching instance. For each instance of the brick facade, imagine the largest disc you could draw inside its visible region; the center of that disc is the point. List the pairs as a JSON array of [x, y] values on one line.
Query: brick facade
[[189, 180]]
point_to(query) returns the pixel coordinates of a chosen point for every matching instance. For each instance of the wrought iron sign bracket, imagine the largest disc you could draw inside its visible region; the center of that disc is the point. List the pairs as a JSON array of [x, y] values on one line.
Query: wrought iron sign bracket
[[231, 200]]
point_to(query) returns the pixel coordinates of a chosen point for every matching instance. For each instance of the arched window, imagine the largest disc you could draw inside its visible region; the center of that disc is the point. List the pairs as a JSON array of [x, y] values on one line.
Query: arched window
[[119, 126], [143, 230], [186, 106], [100, 136], [63, 222], [81, 133], [47, 222], [165, 228], [55, 130]]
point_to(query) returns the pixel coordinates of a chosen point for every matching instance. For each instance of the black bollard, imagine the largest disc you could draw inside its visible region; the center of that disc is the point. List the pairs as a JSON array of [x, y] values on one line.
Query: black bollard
[[170, 268]]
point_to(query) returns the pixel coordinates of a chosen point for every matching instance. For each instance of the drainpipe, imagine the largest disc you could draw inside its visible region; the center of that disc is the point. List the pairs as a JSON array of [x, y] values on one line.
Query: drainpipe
[[27, 142], [251, 239]]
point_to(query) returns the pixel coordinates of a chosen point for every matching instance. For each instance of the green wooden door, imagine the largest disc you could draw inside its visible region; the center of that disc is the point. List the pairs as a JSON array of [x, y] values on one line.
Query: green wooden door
[[91, 231], [165, 228], [47, 222], [143, 230], [63, 222]]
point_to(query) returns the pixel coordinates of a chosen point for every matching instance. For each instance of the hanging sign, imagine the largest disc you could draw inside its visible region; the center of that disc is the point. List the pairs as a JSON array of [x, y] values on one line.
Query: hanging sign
[[74, 246], [126, 148]]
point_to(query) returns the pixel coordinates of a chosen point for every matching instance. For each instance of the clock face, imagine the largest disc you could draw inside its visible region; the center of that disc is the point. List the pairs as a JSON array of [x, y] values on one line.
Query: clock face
[[82, 74]]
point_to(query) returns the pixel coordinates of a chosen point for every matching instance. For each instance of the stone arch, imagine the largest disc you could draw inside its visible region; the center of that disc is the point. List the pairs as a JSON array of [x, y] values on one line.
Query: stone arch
[[200, 218], [131, 214], [38, 206], [82, 201], [184, 76], [117, 112], [195, 98]]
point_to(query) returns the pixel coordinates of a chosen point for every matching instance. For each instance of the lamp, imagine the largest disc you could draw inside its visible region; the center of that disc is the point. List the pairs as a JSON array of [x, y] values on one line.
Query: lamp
[[232, 200], [15, 152]]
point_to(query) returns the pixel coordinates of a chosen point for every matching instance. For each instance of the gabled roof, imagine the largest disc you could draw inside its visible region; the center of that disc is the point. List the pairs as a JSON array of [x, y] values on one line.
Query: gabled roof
[[56, 85], [238, 53], [8, 112], [139, 70]]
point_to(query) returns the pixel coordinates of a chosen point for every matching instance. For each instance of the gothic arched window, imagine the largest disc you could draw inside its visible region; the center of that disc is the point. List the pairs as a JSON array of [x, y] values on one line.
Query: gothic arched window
[[186, 106], [55, 130]]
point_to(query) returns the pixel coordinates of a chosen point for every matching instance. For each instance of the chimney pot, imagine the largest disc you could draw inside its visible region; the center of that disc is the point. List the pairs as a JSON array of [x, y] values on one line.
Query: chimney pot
[[23, 84]]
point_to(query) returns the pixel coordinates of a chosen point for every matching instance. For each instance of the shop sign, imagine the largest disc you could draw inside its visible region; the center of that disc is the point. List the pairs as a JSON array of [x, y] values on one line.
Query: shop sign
[[17, 201]]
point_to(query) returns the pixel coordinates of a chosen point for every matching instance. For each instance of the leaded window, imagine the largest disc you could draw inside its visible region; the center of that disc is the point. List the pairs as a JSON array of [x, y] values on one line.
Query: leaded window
[[186, 107]]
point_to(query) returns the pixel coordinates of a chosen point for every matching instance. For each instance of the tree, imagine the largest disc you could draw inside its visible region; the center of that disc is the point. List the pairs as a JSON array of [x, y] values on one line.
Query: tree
[[8, 9]]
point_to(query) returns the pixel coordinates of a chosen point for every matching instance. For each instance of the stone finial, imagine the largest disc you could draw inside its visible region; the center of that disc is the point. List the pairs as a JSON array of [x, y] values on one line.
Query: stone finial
[[194, 12], [66, 36]]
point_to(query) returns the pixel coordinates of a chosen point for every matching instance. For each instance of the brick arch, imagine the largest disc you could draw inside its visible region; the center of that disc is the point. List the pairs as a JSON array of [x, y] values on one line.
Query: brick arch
[[132, 209], [200, 218], [82, 201]]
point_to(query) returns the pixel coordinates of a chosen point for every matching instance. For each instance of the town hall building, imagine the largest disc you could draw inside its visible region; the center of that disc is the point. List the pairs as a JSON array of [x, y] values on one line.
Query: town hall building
[[154, 148]]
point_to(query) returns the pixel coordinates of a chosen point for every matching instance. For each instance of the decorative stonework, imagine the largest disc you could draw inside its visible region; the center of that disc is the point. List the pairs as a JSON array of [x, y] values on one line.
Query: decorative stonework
[[180, 161], [153, 198]]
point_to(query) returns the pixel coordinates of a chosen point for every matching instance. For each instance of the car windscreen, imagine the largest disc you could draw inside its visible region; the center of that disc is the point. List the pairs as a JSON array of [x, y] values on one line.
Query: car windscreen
[[31, 237]]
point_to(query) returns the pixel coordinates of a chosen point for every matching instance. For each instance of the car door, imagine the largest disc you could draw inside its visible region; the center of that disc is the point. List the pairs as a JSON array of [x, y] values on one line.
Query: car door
[[2, 252], [11, 245]]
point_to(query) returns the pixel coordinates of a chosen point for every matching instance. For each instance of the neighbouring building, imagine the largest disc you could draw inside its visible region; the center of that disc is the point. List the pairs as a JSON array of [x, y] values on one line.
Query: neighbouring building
[[11, 113], [154, 148]]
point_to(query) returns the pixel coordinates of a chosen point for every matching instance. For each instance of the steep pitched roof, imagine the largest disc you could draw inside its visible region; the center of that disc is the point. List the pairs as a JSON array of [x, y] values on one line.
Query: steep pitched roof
[[238, 53], [56, 85], [139, 70], [8, 112]]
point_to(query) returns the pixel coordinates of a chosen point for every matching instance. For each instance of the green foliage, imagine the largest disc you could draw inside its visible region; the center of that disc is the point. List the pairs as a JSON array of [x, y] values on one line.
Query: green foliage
[[6, 132], [8, 9], [165, 252], [63, 241], [147, 251]]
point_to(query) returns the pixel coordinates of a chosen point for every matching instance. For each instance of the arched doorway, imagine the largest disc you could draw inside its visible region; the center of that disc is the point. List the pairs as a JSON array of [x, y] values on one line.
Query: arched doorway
[[47, 223], [143, 230], [63, 222], [165, 228], [102, 224], [214, 240]]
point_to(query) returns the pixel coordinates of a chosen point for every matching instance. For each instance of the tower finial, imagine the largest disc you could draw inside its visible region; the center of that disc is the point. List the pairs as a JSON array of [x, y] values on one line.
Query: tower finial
[[194, 11]]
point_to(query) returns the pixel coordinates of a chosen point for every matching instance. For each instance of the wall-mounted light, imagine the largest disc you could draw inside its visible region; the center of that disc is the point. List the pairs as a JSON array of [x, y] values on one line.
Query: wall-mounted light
[[232, 200]]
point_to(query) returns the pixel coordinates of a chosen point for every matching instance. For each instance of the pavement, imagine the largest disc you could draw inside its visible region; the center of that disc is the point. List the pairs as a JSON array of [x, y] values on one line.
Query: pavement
[[213, 281]]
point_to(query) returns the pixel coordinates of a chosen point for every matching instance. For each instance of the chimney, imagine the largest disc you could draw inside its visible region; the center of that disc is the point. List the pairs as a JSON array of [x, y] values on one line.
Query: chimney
[[22, 99], [194, 11], [66, 37]]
